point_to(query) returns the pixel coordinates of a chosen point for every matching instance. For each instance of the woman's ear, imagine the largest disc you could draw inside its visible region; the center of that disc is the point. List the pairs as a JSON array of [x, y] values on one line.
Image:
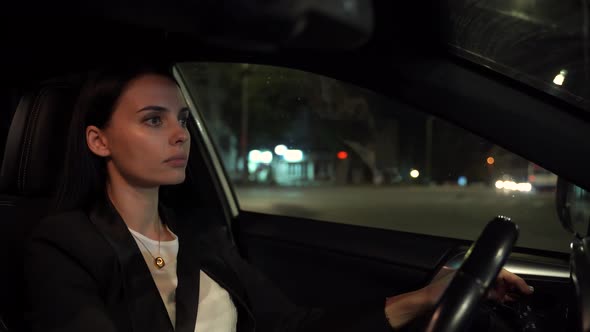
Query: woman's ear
[[97, 141]]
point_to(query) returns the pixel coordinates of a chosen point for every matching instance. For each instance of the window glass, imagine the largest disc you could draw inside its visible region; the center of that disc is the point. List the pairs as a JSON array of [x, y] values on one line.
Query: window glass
[[543, 43], [303, 145]]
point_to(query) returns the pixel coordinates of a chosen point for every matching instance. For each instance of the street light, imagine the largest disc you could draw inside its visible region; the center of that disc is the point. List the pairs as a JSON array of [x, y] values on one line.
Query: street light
[[293, 156], [266, 157], [280, 149]]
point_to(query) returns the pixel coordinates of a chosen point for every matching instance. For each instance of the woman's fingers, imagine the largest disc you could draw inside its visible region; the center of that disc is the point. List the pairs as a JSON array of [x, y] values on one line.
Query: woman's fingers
[[511, 280], [509, 287]]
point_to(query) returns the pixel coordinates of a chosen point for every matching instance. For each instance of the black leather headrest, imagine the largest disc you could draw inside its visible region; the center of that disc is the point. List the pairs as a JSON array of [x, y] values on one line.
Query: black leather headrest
[[35, 146]]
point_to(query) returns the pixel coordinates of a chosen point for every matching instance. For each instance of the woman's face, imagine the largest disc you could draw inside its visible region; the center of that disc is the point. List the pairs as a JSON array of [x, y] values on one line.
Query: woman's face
[[146, 142]]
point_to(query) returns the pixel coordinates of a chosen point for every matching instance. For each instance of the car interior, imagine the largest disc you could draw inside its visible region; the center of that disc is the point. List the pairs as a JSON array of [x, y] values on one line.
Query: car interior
[[396, 49]]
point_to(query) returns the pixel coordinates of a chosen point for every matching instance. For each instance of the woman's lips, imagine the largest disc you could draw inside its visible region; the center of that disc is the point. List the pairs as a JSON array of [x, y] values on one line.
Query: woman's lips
[[177, 161]]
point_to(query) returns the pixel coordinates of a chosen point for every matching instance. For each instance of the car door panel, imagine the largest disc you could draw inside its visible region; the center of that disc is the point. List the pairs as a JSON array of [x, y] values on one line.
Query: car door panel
[[324, 263], [328, 264]]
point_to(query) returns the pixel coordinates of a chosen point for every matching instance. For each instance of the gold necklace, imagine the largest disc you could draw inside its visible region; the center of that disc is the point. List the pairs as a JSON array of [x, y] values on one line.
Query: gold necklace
[[158, 261]]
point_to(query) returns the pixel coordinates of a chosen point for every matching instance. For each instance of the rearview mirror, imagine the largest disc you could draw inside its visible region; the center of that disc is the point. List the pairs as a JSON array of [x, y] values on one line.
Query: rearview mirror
[[573, 207]]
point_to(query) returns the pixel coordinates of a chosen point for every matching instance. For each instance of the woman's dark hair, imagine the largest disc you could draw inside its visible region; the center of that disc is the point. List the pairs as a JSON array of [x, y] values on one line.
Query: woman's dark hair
[[84, 174]]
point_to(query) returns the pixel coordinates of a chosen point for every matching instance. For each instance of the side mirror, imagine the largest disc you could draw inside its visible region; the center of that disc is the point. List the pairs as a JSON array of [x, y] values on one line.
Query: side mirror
[[573, 208]]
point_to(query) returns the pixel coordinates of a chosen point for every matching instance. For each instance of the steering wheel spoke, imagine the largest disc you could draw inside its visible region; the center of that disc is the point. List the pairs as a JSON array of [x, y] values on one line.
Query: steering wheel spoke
[[482, 264]]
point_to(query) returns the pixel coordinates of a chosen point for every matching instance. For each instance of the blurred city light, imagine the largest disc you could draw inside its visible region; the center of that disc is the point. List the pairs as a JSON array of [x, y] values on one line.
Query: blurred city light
[[293, 156], [414, 173], [490, 160], [510, 185], [254, 156], [560, 78], [462, 181], [266, 157], [280, 149], [513, 186], [525, 187], [342, 155]]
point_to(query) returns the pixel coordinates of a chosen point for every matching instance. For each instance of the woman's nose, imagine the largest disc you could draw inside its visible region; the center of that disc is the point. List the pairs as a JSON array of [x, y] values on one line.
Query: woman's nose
[[180, 135]]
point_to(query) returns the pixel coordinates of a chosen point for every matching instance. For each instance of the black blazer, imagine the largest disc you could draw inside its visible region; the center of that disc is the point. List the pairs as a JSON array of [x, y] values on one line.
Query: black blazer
[[85, 272]]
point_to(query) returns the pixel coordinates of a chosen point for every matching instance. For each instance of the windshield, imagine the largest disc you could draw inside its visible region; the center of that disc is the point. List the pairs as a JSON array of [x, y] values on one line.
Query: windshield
[[541, 43]]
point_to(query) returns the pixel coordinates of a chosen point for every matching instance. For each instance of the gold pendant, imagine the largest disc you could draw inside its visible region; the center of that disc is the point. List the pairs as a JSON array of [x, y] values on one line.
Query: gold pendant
[[159, 261]]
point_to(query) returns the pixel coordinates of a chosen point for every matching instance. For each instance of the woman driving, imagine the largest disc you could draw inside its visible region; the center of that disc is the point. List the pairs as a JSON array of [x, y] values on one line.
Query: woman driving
[[115, 257]]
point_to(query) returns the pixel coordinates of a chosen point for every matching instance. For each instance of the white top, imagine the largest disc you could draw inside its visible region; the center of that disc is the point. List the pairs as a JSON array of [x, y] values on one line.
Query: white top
[[216, 313]]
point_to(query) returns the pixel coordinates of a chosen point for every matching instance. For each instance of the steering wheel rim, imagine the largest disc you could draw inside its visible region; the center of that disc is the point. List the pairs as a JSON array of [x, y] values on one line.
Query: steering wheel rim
[[483, 262]]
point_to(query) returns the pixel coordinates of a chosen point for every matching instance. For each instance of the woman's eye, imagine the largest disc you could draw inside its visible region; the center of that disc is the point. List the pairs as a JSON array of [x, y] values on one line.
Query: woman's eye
[[183, 121], [154, 121]]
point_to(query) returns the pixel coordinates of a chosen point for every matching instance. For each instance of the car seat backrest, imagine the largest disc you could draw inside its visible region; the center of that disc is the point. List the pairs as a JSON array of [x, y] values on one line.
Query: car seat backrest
[[31, 165], [36, 140]]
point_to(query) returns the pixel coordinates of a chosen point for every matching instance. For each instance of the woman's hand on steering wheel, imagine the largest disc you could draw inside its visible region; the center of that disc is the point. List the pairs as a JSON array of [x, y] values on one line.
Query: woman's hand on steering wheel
[[506, 288], [403, 308]]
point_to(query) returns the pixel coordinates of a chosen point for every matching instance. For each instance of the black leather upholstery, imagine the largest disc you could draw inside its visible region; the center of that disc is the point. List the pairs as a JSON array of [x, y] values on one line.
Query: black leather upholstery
[[34, 152]]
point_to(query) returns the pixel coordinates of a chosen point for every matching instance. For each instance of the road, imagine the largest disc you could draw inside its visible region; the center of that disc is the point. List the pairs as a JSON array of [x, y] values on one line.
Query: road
[[444, 211]]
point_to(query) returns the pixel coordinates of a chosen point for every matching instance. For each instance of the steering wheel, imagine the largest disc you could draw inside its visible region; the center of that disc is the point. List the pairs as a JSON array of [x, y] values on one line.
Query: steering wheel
[[483, 262]]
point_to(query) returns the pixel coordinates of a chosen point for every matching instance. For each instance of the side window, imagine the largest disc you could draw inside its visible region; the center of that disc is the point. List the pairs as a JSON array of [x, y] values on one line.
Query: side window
[[303, 145]]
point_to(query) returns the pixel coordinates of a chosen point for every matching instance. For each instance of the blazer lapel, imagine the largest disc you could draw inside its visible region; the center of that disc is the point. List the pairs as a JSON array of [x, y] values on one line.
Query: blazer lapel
[[146, 309], [200, 249]]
